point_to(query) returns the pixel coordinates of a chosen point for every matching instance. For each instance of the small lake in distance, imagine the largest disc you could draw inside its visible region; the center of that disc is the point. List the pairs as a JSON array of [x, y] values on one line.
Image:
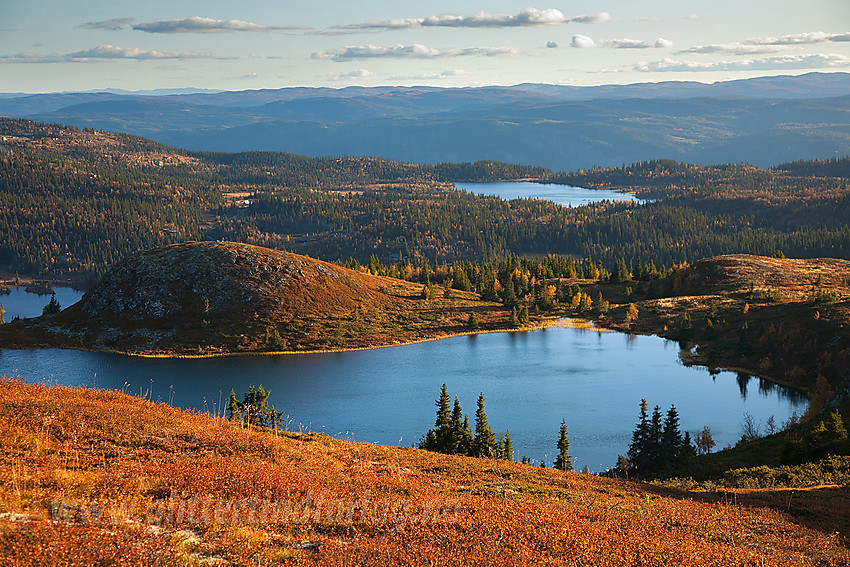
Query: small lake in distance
[[23, 304], [565, 195], [531, 380]]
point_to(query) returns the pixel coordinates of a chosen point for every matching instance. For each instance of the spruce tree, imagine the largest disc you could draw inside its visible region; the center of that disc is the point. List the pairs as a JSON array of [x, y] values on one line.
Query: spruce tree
[[638, 450], [688, 450], [233, 408], [443, 424], [621, 272], [836, 431], [456, 429], [484, 439], [256, 406], [508, 447], [52, 306], [428, 441], [655, 433], [461, 279], [563, 461], [671, 438], [467, 439], [523, 315]]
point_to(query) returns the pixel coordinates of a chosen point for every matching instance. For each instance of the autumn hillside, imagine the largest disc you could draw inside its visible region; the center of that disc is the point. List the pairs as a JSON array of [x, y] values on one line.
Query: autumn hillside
[[102, 478], [202, 298]]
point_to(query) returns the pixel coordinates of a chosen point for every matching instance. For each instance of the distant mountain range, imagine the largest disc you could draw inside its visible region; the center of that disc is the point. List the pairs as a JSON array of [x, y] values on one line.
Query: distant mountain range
[[763, 121]]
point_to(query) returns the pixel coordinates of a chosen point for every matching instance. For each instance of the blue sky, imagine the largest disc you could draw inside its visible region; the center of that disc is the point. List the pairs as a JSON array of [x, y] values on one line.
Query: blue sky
[[60, 45]]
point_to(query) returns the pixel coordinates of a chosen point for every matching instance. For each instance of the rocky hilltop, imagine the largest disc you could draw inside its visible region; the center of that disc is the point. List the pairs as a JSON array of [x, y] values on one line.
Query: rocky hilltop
[[205, 298]]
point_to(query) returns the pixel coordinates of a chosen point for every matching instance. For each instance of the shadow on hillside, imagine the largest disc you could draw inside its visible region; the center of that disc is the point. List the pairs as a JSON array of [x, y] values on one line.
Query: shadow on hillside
[[824, 508]]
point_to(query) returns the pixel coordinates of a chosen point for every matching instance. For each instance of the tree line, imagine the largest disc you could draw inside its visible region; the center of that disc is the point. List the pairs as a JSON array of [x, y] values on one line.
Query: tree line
[[453, 435]]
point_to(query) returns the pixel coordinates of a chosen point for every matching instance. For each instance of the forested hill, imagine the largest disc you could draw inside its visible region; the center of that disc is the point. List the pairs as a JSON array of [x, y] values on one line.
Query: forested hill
[[72, 202]]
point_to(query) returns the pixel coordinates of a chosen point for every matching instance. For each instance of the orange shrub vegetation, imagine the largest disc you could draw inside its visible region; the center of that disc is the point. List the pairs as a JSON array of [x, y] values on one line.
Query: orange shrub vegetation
[[102, 478]]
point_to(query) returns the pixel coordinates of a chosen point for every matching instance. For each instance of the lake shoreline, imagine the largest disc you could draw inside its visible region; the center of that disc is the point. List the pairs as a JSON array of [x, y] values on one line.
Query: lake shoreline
[[607, 323], [546, 323]]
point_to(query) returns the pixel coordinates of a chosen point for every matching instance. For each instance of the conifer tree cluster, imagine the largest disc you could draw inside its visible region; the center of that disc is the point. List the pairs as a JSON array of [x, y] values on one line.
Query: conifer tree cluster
[[657, 444], [52, 306], [254, 409], [453, 435], [827, 437]]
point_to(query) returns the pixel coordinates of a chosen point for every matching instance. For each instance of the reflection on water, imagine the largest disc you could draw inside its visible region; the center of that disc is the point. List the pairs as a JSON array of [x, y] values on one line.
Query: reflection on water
[[767, 388]]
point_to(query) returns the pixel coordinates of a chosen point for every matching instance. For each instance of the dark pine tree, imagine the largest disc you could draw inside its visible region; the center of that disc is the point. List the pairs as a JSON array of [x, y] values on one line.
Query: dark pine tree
[[234, 411], [508, 447], [456, 429], [639, 449], [467, 439], [563, 461], [484, 442], [52, 306], [671, 439], [443, 424]]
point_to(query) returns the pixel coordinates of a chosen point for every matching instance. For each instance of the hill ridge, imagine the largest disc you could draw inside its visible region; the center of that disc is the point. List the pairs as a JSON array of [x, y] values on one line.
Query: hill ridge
[[218, 297]]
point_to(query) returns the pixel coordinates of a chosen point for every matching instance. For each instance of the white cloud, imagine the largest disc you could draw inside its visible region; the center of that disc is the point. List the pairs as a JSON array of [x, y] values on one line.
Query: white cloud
[[736, 48], [527, 17], [29, 57], [101, 53], [793, 39], [692, 17], [356, 74], [398, 24], [582, 41], [206, 25], [112, 24], [780, 62], [413, 51], [113, 52], [623, 43], [599, 18], [761, 45], [448, 74]]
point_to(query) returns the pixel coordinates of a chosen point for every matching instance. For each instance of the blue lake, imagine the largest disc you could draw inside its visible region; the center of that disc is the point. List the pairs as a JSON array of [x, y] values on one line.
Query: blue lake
[[531, 380], [565, 195], [23, 304]]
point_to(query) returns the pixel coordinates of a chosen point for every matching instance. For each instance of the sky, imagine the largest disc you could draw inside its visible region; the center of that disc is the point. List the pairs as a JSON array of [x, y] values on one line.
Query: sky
[[82, 45]]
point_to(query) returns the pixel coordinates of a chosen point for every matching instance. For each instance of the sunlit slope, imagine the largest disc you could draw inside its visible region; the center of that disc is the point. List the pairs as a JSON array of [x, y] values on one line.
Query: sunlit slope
[[94, 477]]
